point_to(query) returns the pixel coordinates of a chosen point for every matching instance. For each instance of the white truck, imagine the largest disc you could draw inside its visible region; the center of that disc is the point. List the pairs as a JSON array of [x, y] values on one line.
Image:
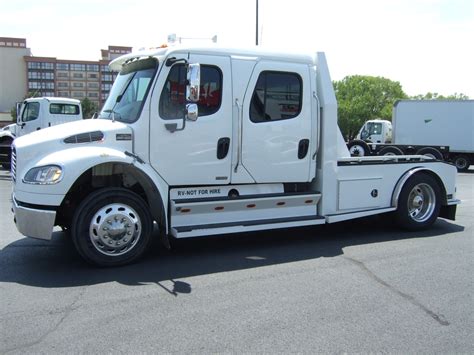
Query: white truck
[[205, 141], [34, 114], [443, 129]]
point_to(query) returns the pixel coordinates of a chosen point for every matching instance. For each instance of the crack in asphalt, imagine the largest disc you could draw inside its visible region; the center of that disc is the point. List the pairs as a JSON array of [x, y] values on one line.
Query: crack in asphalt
[[67, 311], [437, 317]]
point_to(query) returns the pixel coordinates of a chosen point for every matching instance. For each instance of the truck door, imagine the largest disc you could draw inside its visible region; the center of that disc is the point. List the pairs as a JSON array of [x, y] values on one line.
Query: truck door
[[192, 152], [30, 120], [276, 127]]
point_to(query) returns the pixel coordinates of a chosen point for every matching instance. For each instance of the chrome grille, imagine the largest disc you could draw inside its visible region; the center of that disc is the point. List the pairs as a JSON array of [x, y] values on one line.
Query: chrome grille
[[13, 164]]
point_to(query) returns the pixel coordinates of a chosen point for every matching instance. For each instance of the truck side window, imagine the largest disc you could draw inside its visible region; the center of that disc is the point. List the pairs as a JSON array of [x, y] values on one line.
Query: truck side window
[[30, 112], [172, 99], [277, 96], [64, 109]]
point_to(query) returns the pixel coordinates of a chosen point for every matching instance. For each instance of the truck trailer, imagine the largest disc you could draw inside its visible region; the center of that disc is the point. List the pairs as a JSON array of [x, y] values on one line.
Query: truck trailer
[[443, 129], [198, 141]]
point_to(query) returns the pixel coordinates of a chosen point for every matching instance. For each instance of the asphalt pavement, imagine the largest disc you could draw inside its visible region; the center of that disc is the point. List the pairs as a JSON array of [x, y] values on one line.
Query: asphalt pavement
[[357, 287]]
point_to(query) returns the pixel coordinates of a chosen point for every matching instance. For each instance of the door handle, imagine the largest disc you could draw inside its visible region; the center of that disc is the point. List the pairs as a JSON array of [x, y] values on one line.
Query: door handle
[[223, 147], [303, 148]]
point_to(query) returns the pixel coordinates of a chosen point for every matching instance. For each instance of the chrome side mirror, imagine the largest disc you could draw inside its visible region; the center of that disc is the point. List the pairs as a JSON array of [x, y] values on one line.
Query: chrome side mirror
[[192, 112], [194, 82]]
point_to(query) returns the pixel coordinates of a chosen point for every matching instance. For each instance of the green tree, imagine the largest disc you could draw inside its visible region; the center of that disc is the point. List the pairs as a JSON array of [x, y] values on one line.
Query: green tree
[[88, 108], [436, 96], [361, 98]]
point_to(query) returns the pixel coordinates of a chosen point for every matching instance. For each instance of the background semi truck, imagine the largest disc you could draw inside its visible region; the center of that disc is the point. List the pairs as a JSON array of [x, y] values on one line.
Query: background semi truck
[[34, 114], [443, 129]]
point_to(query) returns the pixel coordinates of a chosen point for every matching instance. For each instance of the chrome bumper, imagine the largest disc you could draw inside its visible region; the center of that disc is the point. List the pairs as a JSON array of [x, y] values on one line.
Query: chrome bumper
[[33, 223]]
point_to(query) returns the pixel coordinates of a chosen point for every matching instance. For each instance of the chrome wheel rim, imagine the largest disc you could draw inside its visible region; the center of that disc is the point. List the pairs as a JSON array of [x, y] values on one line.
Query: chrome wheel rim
[[357, 150], [421, 202], [115, 229]]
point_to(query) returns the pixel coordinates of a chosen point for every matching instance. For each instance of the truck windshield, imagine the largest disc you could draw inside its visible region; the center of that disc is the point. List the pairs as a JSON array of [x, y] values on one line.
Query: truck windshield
[[129, 91], [374, 128]]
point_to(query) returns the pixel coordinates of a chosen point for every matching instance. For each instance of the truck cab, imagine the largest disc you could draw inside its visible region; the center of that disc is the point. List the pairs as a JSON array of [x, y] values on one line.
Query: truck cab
[[42, 112], [34, 114], [201, 141], [376, 131]]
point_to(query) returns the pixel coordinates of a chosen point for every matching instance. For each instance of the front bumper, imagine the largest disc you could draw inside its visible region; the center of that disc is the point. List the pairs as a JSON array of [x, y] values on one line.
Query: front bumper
[[32, 222]]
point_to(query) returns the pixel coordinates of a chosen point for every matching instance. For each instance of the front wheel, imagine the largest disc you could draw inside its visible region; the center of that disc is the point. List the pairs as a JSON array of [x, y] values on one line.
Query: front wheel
[[358, 148], [462, 162], [419, 202], [112, 227]]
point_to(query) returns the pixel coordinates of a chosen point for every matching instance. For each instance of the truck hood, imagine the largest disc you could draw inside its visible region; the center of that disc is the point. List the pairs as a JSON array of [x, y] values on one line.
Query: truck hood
[[102, 132], [65, 130]]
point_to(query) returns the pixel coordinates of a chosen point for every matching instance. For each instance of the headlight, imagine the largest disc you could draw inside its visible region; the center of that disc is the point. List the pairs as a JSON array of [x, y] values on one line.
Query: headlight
[[49, 174]]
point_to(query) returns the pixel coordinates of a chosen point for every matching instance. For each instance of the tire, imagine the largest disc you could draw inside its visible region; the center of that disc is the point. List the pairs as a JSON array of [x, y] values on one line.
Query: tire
[[430, 152], [358, 148], [462, 162], [419, 202], [112, 227], [390, 151]]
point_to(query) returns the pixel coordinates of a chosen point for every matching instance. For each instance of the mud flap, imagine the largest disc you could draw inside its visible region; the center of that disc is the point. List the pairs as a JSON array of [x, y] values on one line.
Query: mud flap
[[448, 212]]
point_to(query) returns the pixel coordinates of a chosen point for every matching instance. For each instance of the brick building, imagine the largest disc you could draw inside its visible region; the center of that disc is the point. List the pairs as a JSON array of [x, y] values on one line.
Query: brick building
[[49, 76]]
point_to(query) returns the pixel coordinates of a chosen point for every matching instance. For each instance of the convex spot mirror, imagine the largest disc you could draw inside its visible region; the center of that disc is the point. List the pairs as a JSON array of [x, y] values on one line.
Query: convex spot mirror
[[194, 82], [192, 112]]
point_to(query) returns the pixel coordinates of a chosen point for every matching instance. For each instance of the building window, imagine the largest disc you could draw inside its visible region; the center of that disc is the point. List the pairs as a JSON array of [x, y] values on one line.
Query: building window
[[107, 77], [78, 75], [63, 75], [40, 85], [62, 66], [47, 66], [78, 67], [92, 76], [78, 85], [92, 67], [93, 85], [63, 85], [277, 96], [106, 87], [34, 65], [104, 68], [78, 94], [63, 93], [93, 95]]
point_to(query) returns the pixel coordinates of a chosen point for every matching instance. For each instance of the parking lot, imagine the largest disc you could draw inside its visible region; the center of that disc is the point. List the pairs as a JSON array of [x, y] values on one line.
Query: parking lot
[[359, 286]]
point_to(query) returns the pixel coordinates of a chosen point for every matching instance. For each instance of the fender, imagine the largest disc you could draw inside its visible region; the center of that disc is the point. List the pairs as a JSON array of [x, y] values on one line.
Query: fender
[[78, 160], [401, 182]]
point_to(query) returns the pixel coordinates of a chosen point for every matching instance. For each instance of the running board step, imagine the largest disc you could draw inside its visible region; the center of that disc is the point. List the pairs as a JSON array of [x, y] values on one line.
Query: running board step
[[248, 211], [245, 226]]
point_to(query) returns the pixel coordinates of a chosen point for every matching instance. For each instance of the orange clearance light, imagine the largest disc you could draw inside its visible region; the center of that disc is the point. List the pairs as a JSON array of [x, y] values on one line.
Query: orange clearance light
[[164, 45]]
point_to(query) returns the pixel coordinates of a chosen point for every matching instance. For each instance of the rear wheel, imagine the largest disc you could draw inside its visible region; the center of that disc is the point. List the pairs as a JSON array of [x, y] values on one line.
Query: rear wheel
[[112, 227], [462, 162], [419, 202], [430, 152], [390, 151]]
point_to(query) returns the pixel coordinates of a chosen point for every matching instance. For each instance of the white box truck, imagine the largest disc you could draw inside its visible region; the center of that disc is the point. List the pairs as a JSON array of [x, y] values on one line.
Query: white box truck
[[209, 141], [34, 114], [443, 129]]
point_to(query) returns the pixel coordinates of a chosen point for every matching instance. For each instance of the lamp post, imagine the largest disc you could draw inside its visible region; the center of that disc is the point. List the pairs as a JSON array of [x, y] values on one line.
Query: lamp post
[[256, 22]]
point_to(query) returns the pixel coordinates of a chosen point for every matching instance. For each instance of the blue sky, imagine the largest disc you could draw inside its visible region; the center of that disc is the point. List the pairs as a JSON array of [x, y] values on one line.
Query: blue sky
[[426, 45]]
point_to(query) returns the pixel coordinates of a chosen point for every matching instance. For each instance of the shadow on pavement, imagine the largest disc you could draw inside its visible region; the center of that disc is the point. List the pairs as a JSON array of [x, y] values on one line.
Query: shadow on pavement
[[56, 263]]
